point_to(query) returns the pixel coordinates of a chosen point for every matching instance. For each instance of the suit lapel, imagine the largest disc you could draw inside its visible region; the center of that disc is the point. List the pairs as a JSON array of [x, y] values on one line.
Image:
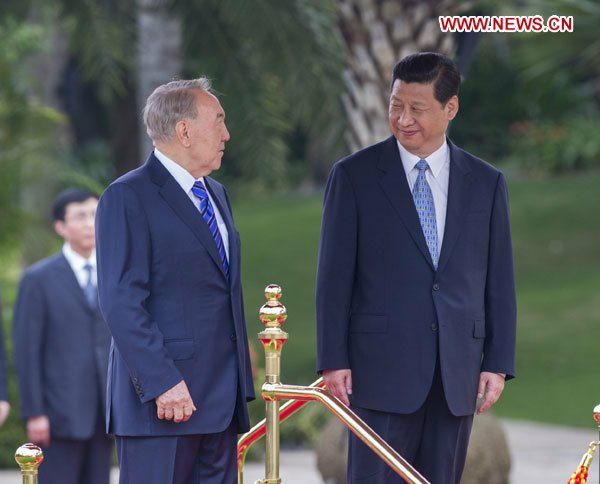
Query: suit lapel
[[395, 185], [458, 190], [183, 207]]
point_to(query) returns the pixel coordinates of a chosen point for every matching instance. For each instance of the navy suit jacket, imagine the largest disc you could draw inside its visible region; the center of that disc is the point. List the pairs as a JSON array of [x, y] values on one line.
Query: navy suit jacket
[[172, 311], [382, 309], [60, 350]]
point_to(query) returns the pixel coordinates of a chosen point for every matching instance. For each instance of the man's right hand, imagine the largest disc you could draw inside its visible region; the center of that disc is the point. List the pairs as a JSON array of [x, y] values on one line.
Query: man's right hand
[[339, 382], [175, 404], [38, 430]]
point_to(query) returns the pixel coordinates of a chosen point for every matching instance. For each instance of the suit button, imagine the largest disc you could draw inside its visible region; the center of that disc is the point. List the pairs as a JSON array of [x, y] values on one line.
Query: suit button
[[436, 287], [434, 327], [233, 337]]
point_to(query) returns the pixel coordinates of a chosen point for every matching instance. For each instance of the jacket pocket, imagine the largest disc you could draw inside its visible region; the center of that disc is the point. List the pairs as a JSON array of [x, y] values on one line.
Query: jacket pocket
[[479, 328], [180, 349], [368, 323]]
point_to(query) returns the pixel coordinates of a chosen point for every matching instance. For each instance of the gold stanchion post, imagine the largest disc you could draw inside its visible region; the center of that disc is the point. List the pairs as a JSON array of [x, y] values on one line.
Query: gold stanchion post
[[272, 314], [29, 457]]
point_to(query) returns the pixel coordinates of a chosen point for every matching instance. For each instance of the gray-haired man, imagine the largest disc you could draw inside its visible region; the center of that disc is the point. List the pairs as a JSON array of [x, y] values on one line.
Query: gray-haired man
[[169, 284]]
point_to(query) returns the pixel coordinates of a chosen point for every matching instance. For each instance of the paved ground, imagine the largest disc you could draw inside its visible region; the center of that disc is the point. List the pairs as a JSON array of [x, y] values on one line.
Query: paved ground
[[542, 454]]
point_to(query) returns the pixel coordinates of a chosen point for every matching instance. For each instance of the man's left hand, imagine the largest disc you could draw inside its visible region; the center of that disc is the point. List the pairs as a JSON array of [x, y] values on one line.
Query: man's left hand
[[490, 388]]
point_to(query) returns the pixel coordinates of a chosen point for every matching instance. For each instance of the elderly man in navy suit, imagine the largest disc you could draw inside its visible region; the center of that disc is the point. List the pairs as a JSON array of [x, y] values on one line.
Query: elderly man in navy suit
[[416, 311], [169, 280], [61, 348]]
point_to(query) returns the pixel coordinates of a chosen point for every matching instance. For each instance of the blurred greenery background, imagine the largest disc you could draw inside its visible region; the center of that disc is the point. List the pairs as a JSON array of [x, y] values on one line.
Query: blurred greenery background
[[303, 83]]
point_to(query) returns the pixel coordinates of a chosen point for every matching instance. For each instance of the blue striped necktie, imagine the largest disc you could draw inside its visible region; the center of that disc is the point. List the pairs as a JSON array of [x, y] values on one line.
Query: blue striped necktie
[[208, 214], [426, 209]]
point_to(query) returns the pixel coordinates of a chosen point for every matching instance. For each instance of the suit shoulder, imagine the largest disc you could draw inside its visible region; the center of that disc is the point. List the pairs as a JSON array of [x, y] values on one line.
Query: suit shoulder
[[477, 164], [133, 178], [362, 159], [128, 187], [42, 267]]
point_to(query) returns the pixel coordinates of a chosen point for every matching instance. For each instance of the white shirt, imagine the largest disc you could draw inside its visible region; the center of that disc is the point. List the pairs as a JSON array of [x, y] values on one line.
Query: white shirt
[[437, 176], [78, 263], [186, 182]]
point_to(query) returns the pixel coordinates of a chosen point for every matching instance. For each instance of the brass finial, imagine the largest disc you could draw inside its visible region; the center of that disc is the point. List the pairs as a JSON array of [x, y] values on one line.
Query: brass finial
[[597, 415], [273, 314], [29, 457]]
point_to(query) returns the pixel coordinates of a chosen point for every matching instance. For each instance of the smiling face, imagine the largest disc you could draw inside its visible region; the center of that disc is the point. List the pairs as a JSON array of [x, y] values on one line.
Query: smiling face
[[203, 137], [417, 119]]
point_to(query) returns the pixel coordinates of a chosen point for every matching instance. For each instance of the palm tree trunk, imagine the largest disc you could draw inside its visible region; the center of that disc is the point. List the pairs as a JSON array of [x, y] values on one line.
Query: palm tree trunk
[[159, 54], [378, 33]]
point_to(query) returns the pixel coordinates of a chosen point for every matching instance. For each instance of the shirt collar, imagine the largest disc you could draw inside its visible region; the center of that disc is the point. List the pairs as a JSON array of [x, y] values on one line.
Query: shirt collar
[[77, 261], [435, 160], [181, 175]]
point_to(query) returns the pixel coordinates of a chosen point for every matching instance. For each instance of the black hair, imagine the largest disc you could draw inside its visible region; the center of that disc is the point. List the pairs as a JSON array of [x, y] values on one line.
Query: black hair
[[427, 68], [64, 198]]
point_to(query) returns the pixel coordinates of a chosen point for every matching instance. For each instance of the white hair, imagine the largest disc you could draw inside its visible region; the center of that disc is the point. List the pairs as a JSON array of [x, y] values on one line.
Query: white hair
[[169, 104]]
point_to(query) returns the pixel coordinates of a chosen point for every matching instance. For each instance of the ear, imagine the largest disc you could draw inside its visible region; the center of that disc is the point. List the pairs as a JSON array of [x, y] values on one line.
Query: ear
[[182, 133], [451, 108], [59, 228]]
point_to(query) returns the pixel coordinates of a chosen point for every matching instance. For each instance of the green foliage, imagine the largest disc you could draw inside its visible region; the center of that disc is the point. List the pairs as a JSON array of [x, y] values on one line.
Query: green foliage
[[556, 147], [278, 65], [549, 55], [26, 128], [12, 434], [102, 38], [534, 99]]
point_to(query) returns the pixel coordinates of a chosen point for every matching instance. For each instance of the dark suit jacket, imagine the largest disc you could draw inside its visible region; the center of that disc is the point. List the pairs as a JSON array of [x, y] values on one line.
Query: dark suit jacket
[[172, 311], [3, 369], [61, 350], [382, 309]]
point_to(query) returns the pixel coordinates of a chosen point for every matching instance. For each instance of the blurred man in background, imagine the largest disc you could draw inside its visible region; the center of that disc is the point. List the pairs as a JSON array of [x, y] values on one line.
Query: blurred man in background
[[61, 348]]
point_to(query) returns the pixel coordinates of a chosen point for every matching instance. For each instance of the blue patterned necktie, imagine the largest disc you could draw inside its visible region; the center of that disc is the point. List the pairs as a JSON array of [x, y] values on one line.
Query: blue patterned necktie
[[426, 209], [89, 290], [208, 214]]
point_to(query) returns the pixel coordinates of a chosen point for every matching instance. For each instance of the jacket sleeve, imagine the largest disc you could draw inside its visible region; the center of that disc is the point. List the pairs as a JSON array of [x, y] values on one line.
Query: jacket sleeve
[[500, 298], [124, 254], [29, 327], [335, 271]]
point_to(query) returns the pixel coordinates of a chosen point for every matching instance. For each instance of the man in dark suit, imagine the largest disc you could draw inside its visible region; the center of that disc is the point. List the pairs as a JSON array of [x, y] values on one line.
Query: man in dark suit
[[61, 351], [416, 309], [170, 290], [4, 405]]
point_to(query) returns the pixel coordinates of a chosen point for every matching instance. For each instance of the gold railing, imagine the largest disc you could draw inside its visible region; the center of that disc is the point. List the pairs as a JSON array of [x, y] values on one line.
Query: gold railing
[[581, 473], [273, 314], [288, 409], [29, 457]]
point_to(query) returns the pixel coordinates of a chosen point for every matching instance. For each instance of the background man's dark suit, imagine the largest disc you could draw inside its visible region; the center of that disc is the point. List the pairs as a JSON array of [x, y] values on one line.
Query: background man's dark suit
[[61, 355]]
